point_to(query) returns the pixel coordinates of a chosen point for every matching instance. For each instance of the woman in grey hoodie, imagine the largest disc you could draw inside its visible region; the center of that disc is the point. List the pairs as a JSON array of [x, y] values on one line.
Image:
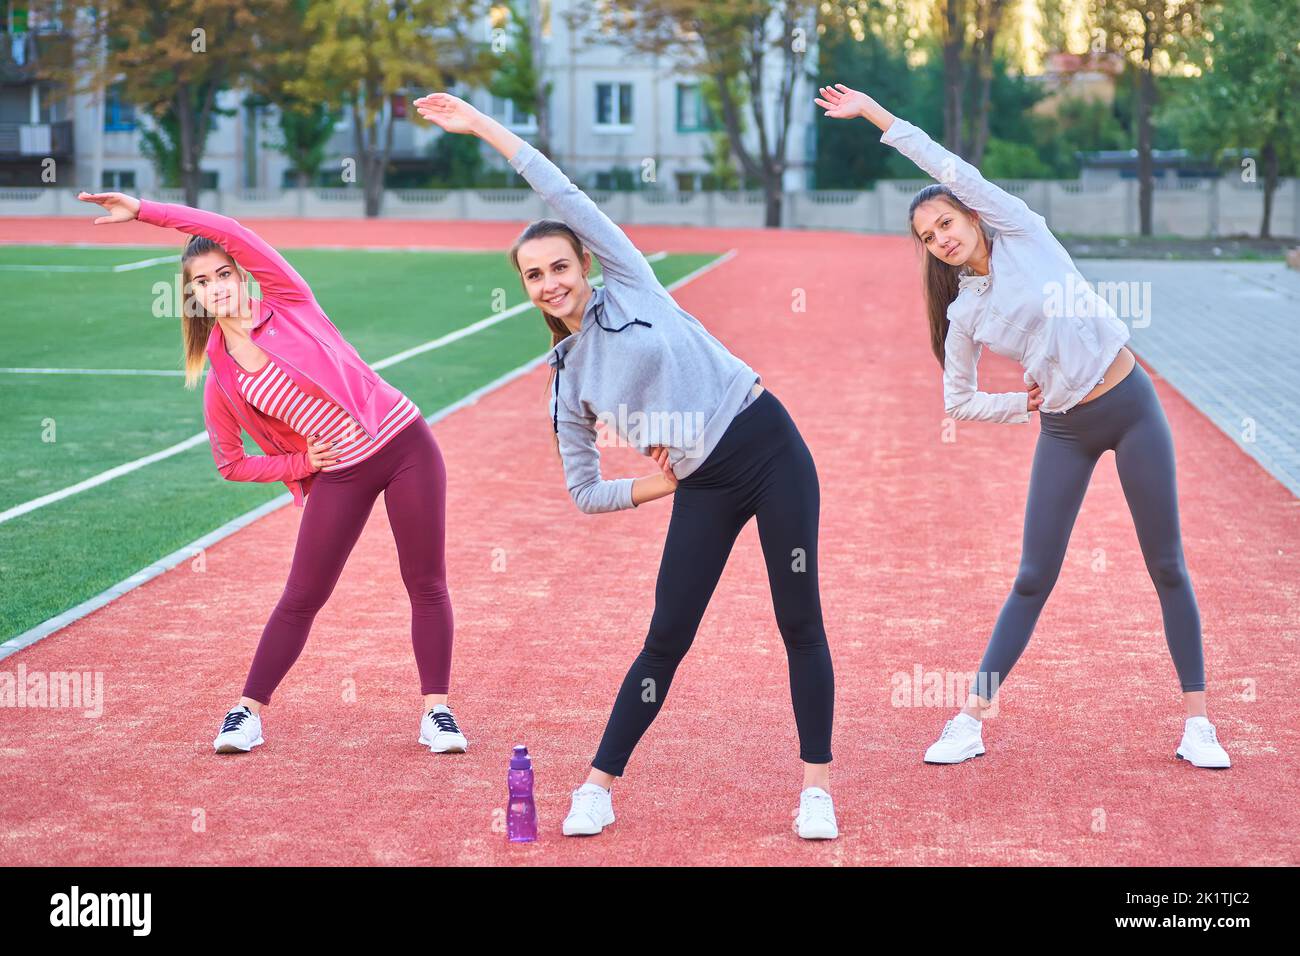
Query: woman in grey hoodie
[[626, 355]]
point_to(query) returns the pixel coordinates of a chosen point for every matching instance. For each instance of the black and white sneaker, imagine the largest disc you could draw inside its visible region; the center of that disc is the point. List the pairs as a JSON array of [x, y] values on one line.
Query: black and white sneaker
[[240, 732], [439, 732]]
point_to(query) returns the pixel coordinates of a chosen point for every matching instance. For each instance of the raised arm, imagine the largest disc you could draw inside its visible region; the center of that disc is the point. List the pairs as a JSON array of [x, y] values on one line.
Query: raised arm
[[272, 271], [620, 260], [999, 208], [961, 396], [228, 447]]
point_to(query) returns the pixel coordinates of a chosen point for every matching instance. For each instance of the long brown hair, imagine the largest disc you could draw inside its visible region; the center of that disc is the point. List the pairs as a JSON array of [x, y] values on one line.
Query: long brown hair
[[196, 322], [938, 277], [541, 229]]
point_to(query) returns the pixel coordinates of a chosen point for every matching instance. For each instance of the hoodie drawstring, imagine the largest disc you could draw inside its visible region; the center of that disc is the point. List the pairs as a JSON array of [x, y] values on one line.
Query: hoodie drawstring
[[555, 415], [559, 359]]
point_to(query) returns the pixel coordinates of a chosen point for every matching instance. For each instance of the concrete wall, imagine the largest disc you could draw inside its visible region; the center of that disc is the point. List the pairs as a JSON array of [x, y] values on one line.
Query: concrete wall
[[1198, 208]]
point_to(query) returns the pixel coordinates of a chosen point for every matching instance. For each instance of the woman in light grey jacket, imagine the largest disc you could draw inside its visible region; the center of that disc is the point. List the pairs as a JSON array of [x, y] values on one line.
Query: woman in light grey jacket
[[627, 356], [1015, 290]]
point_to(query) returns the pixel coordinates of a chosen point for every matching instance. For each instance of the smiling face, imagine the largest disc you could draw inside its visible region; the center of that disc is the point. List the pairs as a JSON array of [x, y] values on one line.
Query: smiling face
[[215, 283], [948, 233], [555, 277]]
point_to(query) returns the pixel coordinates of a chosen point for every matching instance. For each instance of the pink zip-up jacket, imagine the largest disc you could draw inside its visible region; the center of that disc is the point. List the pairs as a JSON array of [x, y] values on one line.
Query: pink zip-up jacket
[[289, 325]]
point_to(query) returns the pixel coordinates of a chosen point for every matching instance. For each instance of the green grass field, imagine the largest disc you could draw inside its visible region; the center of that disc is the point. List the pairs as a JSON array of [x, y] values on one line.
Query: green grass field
[[58, 555]]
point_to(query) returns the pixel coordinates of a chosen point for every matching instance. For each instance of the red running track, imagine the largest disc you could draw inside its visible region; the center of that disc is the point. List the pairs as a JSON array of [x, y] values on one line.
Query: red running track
[[920, 544]]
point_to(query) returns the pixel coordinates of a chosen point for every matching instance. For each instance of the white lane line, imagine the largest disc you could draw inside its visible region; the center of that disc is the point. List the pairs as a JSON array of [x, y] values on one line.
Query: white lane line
[[101, 478], [202, 436], [91, 371], [189, 551], [146, 263], [383, 363], [123, 267]]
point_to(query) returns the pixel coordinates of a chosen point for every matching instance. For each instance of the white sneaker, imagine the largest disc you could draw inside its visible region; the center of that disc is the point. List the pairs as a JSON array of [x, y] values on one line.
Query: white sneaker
[[591, 812], [961, 739], [439, 732], [1200, 745], [816, 819], [240, 732]]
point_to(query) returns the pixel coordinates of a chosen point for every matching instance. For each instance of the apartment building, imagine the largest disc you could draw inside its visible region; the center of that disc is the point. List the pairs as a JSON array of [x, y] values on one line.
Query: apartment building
[[618, 119]]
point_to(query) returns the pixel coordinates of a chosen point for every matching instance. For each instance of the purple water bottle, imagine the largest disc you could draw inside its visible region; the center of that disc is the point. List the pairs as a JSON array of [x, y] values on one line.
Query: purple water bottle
[[521, 817]]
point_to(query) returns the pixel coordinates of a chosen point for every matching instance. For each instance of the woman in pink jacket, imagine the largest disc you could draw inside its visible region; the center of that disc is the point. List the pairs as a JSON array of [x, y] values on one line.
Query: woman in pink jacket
[[329, 425]]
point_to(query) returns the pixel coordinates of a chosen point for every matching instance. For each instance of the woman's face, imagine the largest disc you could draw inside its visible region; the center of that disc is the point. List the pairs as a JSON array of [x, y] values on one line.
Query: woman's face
[[216, 284], [554, 276], [946, 232]]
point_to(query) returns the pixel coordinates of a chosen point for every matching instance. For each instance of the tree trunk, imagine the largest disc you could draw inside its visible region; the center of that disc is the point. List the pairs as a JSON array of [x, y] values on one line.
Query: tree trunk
[[1146, 94], [1269, 156], [990, 22], [953, 40], [369, 159], [773, 200], [541, 108], [185, 148]]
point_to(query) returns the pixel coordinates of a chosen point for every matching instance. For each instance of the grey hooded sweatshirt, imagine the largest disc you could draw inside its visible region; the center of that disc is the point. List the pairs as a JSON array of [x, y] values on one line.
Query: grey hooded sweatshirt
[[640, 365]]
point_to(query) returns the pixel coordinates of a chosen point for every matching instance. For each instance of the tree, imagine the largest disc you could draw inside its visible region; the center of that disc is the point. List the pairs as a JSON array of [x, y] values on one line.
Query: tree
[[968, 33], [161, 145], [1148, 33], [364, 54], [1246, 96], [306, 124], [725, 39], [521, 66], [1077, 125], [305, 133], [850, 155], [171, 58]]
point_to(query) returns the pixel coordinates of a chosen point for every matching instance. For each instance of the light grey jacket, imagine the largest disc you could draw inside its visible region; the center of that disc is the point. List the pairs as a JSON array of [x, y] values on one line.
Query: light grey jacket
[[639, 365], [1034, 306]]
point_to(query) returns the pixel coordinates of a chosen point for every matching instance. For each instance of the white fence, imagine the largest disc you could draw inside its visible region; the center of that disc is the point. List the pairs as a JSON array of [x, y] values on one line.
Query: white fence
[[1206, 207]]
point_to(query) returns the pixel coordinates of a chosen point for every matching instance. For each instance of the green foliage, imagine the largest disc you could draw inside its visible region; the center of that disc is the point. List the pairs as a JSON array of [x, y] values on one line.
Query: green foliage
[[850, 154], [456, 162], [515, 79], [723, 173], [1247, 95], [305, 130], [1004, 159], [161, 144], [1079, 125]]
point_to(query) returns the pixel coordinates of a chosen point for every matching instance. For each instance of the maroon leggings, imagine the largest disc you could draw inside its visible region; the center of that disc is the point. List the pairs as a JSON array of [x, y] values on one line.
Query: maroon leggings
[[409, 471]]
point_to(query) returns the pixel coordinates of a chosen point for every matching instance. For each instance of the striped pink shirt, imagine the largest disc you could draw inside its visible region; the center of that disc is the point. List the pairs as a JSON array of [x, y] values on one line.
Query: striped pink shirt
[[273, 392]]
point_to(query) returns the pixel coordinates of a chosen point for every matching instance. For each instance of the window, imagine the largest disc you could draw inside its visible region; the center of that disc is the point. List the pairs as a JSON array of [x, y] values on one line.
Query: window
[[614, 106], [508, 114], [207, 179], [119, 115], [118, 180], [693, 113]]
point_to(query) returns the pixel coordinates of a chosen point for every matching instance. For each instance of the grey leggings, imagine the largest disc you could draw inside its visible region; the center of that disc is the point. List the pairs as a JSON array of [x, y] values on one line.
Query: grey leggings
[[1128, 419]]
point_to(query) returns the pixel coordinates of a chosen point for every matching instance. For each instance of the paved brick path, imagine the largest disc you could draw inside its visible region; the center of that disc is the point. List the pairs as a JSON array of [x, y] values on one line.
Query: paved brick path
[[1227, 336]]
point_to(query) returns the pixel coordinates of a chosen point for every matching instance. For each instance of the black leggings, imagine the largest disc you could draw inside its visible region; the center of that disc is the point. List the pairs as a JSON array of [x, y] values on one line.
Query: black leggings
[[1128, 419], [760, 467]]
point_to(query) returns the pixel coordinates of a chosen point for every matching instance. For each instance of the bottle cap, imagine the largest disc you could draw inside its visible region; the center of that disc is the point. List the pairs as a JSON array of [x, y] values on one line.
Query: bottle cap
[[521, 760]]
